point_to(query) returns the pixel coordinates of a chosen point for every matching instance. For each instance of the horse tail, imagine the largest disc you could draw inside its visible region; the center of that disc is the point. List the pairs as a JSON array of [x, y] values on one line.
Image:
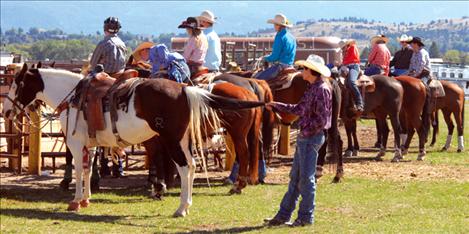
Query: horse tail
[[462, 114], [426, 116]]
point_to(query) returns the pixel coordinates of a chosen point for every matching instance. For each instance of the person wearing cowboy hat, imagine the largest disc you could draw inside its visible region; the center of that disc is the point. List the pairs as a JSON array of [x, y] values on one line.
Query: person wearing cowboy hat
[[379, 57], [420, 60], [314, 111], [351, 60], [111, 51], [138, 60], [197, 45], [401, 59], [213, 57], [283, 49]]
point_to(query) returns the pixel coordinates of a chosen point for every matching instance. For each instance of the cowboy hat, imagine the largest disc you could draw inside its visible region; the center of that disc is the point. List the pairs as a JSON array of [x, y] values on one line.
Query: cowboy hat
[[404, 38], [379, 37], [315, 63], [207, 16], [142, 46], [281, 20], [345, 42], [190, 22], [417, 40]]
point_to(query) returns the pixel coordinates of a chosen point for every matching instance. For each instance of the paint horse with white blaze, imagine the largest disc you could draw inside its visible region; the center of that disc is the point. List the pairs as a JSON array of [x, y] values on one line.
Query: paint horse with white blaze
[[157, 107]]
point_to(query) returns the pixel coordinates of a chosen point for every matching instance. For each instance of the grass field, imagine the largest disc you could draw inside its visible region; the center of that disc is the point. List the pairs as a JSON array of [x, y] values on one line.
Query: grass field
[[375, 197]]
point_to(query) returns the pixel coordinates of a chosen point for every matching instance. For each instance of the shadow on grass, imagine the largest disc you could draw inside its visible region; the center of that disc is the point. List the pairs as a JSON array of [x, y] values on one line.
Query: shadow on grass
[[227, 230]]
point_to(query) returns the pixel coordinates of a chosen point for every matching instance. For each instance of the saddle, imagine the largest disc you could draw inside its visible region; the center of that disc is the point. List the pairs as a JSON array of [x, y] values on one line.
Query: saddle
[[283, 80], [201, 70], [100, 93], [206, 78], [436, 89]]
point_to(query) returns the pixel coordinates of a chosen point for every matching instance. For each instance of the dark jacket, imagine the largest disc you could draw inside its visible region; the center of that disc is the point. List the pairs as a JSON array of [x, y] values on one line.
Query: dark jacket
[[401, 59]]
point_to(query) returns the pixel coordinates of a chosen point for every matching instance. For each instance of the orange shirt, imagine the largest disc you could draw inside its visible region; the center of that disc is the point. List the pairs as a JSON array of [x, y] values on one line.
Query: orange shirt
[[351, 55]]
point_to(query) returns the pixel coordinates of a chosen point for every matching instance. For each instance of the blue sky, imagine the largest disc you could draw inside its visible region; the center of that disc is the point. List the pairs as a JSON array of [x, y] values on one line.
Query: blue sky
[[235, 16]]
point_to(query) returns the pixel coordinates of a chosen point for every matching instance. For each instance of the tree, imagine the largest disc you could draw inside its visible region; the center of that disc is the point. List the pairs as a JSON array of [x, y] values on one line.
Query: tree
[[452, 56], [434, 50]]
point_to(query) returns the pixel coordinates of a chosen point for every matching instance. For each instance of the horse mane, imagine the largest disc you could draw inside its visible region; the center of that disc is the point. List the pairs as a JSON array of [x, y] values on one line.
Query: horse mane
[[60, 73]]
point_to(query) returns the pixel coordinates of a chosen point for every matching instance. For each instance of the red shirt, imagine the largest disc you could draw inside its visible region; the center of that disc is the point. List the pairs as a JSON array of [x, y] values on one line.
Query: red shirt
[[380, 56], [351, 55]]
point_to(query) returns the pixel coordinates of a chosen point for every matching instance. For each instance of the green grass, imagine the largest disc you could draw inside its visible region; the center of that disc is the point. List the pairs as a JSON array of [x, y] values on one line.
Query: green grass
[[358, 206]]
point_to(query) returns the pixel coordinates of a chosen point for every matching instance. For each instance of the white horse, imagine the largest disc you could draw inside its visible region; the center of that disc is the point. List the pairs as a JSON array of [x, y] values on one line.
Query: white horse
[[156, 107]]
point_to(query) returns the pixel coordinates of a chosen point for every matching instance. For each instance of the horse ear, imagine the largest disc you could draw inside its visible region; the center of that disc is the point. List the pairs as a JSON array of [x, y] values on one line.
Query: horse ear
[[39, 64], [24, 69], [52, 65]]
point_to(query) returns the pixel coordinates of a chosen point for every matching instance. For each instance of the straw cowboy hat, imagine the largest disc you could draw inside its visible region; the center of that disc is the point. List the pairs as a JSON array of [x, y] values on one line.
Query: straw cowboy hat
[[379, 37], [417, 40], [142, 46], [345, 42], [207, 16], [281, 20], [190, 22], [404, 38], [315, 63]]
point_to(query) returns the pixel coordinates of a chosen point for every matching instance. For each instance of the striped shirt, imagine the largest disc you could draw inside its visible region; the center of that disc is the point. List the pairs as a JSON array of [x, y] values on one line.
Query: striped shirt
[[110, 52]]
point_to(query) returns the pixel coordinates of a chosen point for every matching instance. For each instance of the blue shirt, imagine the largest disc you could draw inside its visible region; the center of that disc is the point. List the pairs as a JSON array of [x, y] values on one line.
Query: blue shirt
[[213, 57], [160, 56], [284, 48]]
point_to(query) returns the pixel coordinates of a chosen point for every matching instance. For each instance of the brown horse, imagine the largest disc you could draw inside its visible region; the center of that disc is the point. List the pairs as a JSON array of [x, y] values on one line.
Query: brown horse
[[349, 118], [414, 114], [451, 103]]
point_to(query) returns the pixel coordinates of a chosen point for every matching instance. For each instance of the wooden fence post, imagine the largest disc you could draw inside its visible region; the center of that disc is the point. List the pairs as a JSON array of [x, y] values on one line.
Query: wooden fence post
[[284, 144], [230, 154], [34, 157]]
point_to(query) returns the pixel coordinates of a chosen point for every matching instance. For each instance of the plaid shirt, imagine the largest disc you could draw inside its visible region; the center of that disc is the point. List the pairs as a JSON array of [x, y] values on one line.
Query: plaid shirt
[[419, 61], [380, 56], [110, 52], [196, 49], [314, 109]]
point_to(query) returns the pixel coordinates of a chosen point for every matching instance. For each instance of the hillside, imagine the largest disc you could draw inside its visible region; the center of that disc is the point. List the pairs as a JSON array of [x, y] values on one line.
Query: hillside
[[447, 33]]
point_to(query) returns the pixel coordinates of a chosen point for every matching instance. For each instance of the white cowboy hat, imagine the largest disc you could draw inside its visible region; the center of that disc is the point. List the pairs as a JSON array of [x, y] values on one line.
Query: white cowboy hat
[[404, 38], [207, 16], [379, 37], [345, 42], [315, 63], [280, 19]]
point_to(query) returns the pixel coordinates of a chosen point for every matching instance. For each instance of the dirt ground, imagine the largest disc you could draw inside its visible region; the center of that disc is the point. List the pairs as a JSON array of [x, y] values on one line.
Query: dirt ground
[[363, 166]]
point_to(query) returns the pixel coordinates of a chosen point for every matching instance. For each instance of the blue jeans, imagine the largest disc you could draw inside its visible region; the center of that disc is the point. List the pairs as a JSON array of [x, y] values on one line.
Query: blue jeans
[[398, 72], [262, 171], [271, 72], [302, 180], [354, 70], [373, 70]]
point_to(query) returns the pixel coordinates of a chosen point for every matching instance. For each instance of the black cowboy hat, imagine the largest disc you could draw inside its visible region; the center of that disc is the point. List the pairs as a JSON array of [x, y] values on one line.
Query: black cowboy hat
[[417, 40], [190, 22]]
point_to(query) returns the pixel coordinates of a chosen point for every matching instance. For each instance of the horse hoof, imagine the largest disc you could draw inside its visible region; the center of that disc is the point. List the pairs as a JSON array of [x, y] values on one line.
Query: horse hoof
[[336, 180], [85, 203], [396, 159], [348, 153], [443, 149], [235, 191], [460, 150], [64, 184], [378, 158], [179, 214], [355, 153], [73, 206], [420, 158], [405, 151]]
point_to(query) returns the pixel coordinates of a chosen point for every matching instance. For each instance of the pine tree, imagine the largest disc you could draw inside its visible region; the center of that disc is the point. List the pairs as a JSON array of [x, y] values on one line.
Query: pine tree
[[434, 51]]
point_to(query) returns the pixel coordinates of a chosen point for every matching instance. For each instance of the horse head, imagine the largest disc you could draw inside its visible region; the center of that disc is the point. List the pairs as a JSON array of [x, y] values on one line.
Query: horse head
[[23, 92], [366, 82]]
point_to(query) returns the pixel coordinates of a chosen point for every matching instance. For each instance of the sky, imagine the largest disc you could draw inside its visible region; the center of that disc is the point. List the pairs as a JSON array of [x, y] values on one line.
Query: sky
[[152, 17]]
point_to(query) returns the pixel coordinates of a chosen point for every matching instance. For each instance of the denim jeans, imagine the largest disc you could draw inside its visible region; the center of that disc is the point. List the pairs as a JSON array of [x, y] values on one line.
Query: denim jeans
[[398, 72], [354, 69], [262, 171], [373, 70], [302, 180], [271, 72]]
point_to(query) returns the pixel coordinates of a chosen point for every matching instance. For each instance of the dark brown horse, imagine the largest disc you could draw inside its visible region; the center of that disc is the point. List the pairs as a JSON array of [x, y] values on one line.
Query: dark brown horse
[[451, 104], [414, 114], [349, 118], [383, 96]]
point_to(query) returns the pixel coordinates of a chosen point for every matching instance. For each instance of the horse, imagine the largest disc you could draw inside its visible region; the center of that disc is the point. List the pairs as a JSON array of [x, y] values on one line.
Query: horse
[[383, 97], [414, 114], [349, 119], [291, 95], [451, 103], [150, 112]]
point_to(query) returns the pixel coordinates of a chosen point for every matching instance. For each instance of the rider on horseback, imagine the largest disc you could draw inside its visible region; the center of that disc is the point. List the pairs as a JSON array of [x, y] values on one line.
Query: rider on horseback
[[213, 57], [352, 62], [401, 59], [197, 45], [379, 57], [283, 50]]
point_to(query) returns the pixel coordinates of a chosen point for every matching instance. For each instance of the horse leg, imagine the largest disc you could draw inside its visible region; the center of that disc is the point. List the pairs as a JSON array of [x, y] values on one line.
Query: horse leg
[[65, 183], [337, 146], [405, 132], [185, 165], [356, 147], [241, 147], [383, 132], [434, 119], [379, 140], [254, 146], [396, 127], [87, 178], [449, 123], [459, 125], [349, 130], [184, 198], [77, 152]]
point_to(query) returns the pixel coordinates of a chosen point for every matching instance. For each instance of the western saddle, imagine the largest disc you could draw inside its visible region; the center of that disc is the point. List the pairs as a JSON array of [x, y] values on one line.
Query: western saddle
[[99, 93], [283, 80]]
